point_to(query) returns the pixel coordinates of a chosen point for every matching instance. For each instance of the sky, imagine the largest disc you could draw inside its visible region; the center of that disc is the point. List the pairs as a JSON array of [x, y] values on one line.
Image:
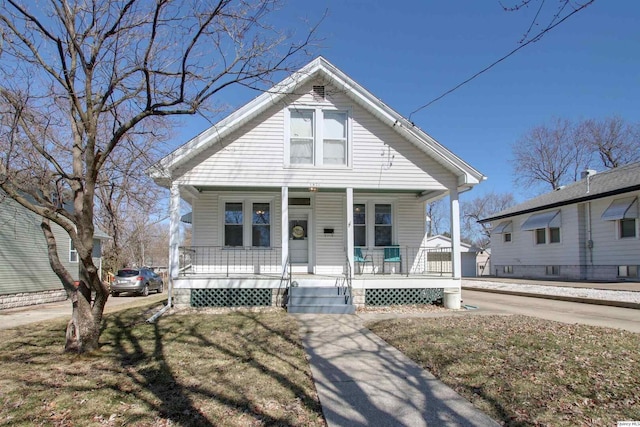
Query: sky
[[408, 52]]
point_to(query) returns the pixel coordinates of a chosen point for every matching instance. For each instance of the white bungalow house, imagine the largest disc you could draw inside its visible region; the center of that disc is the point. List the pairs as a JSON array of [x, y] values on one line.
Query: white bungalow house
[[313, 183], [588, 230], [26, 277]]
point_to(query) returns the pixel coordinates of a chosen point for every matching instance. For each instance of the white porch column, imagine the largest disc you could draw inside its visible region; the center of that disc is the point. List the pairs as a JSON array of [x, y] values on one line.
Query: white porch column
[[174, 236], [285, 226], [350, 229], [456, 258]]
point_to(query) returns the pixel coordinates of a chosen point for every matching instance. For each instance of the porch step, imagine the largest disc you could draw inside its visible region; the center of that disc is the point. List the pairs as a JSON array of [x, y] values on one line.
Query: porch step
[[327, 300]]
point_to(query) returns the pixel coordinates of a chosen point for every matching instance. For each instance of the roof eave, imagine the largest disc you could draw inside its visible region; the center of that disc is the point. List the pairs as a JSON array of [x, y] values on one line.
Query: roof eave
[[563, 203]]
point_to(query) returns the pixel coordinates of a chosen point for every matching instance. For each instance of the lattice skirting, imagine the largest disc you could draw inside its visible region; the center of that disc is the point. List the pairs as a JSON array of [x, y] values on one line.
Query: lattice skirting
[[386, 297], [230, 297]]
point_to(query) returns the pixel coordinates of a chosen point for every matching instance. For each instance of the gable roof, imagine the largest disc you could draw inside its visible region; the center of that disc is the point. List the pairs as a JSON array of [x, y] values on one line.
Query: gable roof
[[167, 167], [603, 184]]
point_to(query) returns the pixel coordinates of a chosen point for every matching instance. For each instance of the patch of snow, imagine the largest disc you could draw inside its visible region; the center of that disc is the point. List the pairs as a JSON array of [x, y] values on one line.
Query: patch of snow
[[598, 294]]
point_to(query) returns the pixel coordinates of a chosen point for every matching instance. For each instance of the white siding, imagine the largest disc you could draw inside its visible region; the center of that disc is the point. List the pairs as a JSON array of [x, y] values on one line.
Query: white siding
[[254, 156], [608, 248]]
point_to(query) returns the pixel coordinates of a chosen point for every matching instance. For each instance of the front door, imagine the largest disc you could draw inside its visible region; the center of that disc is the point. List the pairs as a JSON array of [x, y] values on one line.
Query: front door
[[299, 238]]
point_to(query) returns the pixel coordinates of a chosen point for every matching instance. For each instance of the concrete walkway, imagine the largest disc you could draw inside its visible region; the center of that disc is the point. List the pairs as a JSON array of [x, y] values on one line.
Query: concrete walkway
[[363, 381]]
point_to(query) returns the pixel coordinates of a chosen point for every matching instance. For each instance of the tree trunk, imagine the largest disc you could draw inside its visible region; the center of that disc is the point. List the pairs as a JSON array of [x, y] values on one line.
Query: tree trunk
[[83, 330]]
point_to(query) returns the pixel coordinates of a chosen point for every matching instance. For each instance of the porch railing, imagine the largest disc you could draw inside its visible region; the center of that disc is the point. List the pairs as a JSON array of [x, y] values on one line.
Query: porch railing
[[404, 260], [229, 261]]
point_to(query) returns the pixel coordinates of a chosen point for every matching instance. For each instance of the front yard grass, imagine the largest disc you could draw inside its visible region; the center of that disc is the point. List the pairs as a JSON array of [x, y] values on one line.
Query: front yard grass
[[525, 371], [235, 369]]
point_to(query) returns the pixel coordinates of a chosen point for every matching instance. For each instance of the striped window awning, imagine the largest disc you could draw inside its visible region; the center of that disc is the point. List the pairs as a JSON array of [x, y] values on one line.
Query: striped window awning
[[621, 208], [548, 219], [503, 227]]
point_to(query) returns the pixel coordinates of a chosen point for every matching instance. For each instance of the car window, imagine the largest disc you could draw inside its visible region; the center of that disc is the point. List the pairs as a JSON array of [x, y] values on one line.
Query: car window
[[128, 273]]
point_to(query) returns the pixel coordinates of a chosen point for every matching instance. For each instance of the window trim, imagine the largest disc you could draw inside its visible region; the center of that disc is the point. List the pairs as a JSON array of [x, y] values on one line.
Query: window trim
[[370, 205], [619, 228], [247, 221], [318, 137], [73, 251], [537, 236]]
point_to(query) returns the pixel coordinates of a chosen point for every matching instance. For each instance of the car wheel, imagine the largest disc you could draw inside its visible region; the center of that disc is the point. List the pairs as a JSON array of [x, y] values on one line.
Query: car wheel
[[115, 294], [145, 291], [161, 288]]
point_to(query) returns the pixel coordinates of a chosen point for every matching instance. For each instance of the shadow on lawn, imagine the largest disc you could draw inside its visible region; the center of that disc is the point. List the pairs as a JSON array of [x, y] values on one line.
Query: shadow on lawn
[[149, 367]]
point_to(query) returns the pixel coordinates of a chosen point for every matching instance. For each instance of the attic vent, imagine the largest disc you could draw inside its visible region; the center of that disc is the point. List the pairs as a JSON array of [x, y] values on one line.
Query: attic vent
[[318, 93]]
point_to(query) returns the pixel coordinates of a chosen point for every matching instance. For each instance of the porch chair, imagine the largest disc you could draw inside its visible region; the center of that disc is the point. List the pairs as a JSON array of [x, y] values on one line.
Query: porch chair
[[392, 254], [361, 259]]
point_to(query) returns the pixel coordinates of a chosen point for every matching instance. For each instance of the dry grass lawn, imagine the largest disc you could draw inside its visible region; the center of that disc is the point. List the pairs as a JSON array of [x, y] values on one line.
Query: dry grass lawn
[[528, 372], [234, 369]]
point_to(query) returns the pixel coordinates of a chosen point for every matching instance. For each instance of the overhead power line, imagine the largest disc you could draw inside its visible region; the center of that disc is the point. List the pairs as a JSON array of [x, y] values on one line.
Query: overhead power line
[[487, 68]]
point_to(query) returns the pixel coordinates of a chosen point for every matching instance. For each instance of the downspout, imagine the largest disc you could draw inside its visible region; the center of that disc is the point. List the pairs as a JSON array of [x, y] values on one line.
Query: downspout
[[174, 239]]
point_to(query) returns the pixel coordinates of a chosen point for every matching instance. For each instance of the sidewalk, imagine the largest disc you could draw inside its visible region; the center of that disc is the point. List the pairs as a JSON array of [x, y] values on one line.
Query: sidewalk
[[362, 381], [619, 294]]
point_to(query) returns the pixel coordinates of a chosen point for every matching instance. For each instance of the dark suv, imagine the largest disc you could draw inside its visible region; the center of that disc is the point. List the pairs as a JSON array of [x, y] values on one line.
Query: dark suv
[[137, 280]]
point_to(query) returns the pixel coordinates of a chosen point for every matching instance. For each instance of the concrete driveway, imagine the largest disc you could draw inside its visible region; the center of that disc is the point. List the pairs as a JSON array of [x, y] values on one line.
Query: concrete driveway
[[14, 317], [560, 311]]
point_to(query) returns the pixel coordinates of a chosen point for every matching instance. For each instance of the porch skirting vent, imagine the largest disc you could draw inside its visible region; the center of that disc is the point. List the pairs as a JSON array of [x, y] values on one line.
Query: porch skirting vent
[[230, 297], [386, 297]]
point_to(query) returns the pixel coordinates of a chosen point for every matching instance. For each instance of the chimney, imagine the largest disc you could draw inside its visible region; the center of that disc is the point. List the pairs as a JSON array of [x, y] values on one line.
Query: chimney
[[587, 173]]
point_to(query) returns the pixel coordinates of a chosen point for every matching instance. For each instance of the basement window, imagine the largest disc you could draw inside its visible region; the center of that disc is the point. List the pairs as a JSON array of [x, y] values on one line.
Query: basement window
[[553, 270], [628, 271]]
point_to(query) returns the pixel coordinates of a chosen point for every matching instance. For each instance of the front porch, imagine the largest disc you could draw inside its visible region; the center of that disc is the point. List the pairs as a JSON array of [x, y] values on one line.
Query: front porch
[[219, 276]]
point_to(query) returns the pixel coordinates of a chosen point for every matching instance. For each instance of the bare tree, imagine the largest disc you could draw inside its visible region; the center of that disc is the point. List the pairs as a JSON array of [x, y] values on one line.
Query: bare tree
[[549, 154], [481, 207], [436, 217], [614, 141], [79, 76], [125, 195]]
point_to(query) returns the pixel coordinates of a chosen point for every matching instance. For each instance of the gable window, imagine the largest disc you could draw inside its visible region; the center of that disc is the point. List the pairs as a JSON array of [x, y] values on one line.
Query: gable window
[[233, 224], [261, 225], [383, 225], [318, 137], [360, 225], [301, 141], [73, 252], [541, 236], [627, 227]]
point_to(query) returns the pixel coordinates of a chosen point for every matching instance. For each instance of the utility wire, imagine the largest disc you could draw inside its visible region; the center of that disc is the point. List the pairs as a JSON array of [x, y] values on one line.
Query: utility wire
[[531, 40]]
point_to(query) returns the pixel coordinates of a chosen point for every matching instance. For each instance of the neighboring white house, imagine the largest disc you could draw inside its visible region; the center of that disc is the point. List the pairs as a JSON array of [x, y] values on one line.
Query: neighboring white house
[[588, 230], [316, 182], [26, 277], [471, 256]]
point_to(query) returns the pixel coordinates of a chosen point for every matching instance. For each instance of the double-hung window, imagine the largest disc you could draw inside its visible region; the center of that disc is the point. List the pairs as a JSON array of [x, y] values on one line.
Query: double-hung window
[[360, 225], [318, 137], [383, 225], [233, 224], [251, 228], [372, 222], [627, 227], [73, 252], [261, 225]]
